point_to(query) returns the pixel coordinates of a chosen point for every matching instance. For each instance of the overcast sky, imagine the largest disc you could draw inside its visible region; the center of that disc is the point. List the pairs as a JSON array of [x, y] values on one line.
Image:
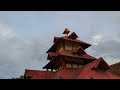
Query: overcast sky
[[25, 36]]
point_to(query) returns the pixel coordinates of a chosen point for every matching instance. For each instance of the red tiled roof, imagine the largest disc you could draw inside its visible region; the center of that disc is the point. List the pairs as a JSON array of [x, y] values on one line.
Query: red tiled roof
[[57, 40], [86, 56], [51, 54], [104, 75], [79, 49], [84, 45], [73, 35], [69, 53], [95, 63], [76, 40], [115, 68], [54, 46], [66, 74], [88, 74], [51, 64], [88, 71], [37, 74]]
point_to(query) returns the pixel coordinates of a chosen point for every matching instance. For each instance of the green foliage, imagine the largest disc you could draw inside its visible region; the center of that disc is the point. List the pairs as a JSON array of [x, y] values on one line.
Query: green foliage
[[21, 77]]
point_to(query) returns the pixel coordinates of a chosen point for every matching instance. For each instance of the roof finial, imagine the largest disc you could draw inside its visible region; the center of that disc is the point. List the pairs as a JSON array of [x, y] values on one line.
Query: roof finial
[[66, 31]]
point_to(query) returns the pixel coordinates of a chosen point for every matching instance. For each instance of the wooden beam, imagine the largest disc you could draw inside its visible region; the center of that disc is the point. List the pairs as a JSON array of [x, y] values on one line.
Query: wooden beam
[[72, 45], [63, 44], [71, 65], [77, 66]]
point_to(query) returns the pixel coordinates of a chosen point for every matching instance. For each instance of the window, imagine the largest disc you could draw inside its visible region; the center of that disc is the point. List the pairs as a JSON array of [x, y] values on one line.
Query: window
[[75, 66], [68, 66]]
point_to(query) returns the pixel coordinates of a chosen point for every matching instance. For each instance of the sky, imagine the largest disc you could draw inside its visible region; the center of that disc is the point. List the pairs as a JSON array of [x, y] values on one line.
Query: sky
[[25, 36]]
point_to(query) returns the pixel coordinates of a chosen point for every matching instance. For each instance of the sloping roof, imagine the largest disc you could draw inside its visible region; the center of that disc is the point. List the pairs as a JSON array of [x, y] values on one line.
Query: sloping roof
[[51, 55], [77, 41], [115, 68], [70, 53], [87, 56], [67, 73], [95, 63], [104, 75], [73, 35], [70, 74], [92, 74], [88, 71], [88, 74], [58, 40], [51, 65], [79, 50], [37, 74], [54, 46]]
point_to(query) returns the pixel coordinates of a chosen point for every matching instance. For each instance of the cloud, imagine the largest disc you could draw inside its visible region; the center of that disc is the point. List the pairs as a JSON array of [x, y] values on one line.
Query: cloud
[[17, 53], [5, 32], [97, 39], [108, 49]]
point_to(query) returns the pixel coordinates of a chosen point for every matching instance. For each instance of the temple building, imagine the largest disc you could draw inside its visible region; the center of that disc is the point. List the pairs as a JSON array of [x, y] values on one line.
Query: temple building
[[68, 60]]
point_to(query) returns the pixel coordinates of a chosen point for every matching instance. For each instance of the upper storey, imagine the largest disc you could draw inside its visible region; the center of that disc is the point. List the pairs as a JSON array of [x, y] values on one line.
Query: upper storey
[[67, 42]]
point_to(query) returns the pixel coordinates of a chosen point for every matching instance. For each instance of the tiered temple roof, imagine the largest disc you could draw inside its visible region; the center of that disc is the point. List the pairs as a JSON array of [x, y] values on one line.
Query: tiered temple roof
[[68, 58], [89, 71]]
